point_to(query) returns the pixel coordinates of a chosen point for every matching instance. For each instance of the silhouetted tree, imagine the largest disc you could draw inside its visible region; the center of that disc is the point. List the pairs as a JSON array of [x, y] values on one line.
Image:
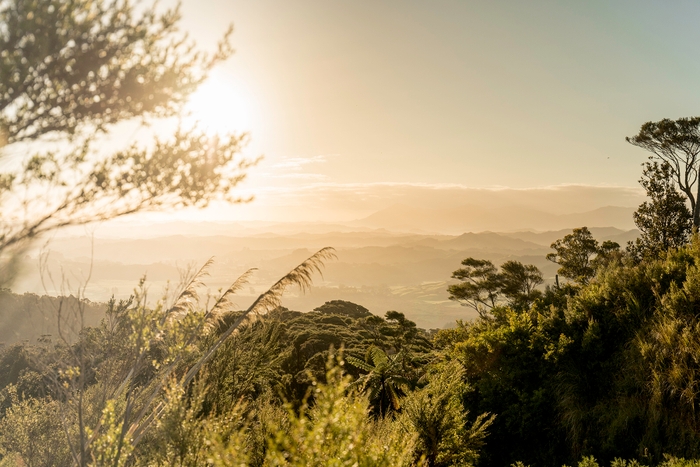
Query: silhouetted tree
[[480, 284], [519, 282], [664, 221], [484, 286], [579, 255], [677, 143]]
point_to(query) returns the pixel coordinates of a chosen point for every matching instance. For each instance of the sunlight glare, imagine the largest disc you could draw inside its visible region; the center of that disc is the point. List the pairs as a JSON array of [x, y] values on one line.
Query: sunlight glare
[[220, 106]]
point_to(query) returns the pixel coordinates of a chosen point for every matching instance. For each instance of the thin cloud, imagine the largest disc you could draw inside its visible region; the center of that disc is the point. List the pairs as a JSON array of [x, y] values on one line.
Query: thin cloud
[[294, 176], [298, 162]]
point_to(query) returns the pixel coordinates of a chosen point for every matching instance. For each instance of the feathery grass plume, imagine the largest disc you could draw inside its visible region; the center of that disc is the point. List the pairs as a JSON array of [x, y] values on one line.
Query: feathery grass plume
[[224, 304], [184, 304], [300, 276], [188, 298]]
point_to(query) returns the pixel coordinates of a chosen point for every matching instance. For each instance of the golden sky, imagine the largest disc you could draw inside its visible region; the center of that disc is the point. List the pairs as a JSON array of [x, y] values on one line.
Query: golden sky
[[351, 96]]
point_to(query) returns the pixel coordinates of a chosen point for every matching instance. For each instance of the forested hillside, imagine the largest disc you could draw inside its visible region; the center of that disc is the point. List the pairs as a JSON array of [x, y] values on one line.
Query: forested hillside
[[603, 365]]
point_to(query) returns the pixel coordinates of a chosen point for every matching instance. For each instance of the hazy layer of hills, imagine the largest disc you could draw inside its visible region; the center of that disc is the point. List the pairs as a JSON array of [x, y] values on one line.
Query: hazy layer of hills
[[377, 269], [401, 217]]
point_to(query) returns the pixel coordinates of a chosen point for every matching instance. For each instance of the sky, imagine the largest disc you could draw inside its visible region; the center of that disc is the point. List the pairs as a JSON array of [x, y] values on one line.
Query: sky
[[355, 97]]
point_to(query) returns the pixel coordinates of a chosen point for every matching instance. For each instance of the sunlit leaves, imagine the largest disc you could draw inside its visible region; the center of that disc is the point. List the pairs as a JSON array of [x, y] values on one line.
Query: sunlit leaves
[[70, 64]]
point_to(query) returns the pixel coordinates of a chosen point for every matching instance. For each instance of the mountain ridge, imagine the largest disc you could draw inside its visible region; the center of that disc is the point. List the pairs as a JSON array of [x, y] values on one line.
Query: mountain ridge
[[469, 217]]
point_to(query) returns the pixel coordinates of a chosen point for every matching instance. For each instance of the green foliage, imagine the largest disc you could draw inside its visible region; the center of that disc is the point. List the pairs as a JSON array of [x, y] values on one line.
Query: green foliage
[[384, 381], [32, 429], [506, 361], [122, 388], [607, 369], [579, 255], [184, 436], [677, 143], [435, 413], [664, 221], [337, 431], [285, 353], [483, 286]]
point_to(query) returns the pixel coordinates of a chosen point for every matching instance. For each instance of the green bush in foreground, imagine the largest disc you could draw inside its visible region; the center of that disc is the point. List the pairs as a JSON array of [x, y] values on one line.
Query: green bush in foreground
[[669, 462]]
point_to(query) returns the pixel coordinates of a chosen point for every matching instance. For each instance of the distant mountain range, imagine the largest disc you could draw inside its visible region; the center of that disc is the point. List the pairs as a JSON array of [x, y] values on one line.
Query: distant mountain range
[[381, 270], [473, 218]]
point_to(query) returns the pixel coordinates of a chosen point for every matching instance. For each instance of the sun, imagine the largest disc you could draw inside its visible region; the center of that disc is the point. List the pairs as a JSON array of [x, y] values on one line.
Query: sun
[[220, 106]]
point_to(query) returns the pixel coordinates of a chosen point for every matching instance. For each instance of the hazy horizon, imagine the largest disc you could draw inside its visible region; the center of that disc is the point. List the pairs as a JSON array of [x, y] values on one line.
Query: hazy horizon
[[411, 125]]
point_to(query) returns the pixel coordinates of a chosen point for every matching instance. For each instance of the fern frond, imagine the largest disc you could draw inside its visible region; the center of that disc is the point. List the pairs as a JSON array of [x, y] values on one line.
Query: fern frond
[[356, 362], [377, 356]]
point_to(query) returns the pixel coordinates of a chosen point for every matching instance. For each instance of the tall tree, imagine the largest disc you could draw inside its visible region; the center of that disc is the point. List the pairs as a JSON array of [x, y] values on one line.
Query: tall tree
[[677, 143], [579, 255], [664, 221], [385, 381]]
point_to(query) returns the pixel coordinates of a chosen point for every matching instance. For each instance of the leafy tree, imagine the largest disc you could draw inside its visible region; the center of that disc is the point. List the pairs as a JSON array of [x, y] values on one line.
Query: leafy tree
[[677, 144], [608, 251], [664, 221], [71, 71], [519, 282], [480, 284], [579, 255], [483, 286]]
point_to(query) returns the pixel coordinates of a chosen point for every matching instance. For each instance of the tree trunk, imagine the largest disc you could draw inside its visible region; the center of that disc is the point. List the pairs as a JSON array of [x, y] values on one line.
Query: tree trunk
[[695, 207]]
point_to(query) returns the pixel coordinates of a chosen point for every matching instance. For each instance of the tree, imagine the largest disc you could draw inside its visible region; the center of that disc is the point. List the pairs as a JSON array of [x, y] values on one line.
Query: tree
[[384, 382], [676, 143], [480, 284], [483, 286], [664, 221], [519, 282], [579, 255], [71, 71]]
